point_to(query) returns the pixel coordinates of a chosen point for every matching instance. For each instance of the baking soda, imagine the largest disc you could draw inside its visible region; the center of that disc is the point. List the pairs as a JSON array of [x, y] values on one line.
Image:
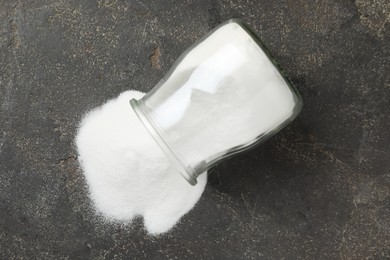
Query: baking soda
[[224, 94], [127, 173]]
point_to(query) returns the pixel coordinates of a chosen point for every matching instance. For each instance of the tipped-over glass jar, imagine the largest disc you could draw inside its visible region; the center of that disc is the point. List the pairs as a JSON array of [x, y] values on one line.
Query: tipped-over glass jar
[[222, 96]]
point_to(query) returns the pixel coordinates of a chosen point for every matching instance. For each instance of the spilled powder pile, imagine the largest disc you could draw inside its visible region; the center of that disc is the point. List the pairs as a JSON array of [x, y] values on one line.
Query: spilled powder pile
[[127, 173]]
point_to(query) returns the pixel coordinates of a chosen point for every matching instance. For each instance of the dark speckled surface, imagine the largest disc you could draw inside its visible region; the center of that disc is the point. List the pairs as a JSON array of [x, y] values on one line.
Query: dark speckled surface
[[320, 189]]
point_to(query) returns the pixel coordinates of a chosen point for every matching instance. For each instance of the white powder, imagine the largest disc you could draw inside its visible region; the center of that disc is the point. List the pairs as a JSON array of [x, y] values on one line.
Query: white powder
[[127, 173], [224, 93]]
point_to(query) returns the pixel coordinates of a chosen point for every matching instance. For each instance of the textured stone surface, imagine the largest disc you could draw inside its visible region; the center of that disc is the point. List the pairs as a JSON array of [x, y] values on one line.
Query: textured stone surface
[[320, 189]]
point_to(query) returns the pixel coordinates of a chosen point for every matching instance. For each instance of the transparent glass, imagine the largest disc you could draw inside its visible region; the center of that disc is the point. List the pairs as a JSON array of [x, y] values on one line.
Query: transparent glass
[[222, 96]]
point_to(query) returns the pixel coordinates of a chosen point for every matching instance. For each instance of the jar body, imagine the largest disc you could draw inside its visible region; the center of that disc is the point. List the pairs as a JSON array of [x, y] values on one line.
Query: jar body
[[222, 96]]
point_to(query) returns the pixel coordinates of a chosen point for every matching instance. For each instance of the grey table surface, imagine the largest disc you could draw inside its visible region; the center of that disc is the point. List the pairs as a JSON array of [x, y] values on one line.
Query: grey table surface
[[320, 189]]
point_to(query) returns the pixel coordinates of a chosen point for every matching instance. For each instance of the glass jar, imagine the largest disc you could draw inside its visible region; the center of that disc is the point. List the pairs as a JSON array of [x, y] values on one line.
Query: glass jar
[[222, 96]]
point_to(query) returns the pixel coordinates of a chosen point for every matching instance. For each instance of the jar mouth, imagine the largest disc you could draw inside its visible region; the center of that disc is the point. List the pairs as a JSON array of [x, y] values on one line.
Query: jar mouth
[[139, 109]]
